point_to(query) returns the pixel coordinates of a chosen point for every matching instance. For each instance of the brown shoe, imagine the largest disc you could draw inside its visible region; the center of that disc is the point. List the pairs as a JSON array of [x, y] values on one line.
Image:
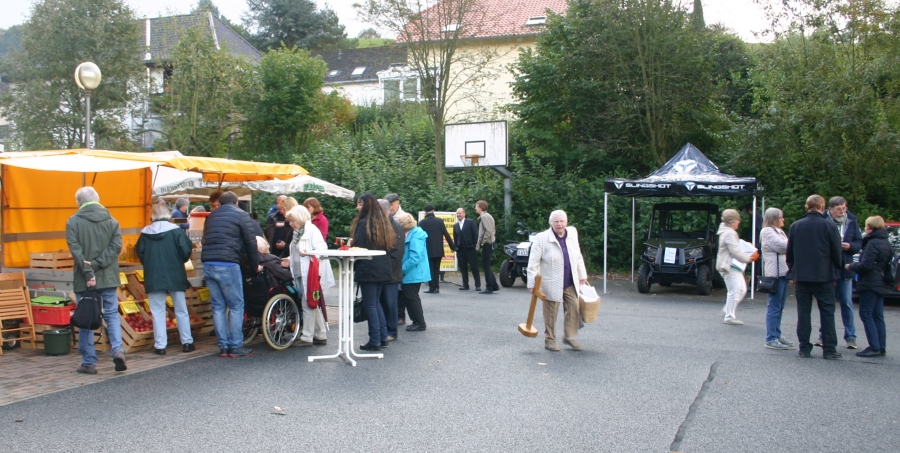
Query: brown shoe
[[319, 342], [87, 369], [551, 345], [573, 344], [300, 343]]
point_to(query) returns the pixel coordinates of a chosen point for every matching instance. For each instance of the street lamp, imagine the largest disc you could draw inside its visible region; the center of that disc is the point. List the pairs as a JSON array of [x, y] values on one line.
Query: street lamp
[[87, 76]]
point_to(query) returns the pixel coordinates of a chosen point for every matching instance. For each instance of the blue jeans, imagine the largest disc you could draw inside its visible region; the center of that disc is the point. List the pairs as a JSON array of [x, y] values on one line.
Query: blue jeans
[[226, 289], [377, 324], [844, 294], [871, 311], [158, 310], [389, 293], [113, 327], [775, 309]]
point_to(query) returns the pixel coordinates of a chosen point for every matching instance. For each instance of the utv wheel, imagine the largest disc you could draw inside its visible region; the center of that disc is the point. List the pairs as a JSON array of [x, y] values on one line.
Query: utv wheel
[[704, 280], [643, 280], [506, 279]]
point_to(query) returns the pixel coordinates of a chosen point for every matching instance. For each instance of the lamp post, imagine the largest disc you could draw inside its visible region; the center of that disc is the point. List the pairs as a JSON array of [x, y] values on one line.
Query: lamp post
[[87, 76]]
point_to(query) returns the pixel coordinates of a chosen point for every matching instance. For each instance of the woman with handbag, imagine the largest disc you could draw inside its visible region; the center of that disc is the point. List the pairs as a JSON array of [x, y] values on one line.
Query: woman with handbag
[[556, 256], [873, 263], [773, 242], [730, 248], [307, 237], [372, 230]]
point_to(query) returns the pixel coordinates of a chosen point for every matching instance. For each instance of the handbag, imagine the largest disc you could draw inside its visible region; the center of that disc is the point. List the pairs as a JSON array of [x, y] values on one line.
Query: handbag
[[88, 311], [588, 303], [768, 285], [359, 312]]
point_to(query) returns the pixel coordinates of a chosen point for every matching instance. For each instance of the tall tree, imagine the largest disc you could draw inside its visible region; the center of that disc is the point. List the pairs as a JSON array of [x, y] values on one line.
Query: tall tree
[[697, 15], [615, 82], [44, 104], [434, 33], [294, 23], [199, 106]]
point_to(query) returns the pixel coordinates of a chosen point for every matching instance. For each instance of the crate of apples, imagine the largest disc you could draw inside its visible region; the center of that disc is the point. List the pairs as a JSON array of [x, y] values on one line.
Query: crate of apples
[[138, 323]]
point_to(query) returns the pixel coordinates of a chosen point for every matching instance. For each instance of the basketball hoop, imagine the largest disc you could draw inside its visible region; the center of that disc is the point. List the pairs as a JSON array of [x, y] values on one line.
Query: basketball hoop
[[469, 160]]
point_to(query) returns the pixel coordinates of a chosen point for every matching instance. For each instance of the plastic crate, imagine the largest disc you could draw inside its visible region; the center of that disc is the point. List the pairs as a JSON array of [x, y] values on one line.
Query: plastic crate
[[53, 316]]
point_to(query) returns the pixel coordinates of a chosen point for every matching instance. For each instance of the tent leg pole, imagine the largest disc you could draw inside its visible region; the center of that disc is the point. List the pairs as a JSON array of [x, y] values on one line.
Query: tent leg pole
[[632, 239], [753, 265], [605, 234]]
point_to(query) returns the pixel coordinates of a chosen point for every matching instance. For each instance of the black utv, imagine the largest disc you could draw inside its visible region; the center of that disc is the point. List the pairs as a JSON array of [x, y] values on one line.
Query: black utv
[[681, 247]]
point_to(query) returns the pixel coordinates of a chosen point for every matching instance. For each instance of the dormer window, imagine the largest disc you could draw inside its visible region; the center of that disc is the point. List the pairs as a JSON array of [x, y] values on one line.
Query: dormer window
[[358, 71], [451, 27], [536, 20], [334, 73]]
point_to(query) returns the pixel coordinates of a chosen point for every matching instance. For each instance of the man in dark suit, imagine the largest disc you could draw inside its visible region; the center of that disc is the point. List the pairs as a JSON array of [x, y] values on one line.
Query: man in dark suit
[[436, 231], [813, 259], [465, 234]]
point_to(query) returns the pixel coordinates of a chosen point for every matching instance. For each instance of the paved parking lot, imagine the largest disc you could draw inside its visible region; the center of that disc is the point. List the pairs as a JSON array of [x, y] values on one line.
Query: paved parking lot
[[660, 372]]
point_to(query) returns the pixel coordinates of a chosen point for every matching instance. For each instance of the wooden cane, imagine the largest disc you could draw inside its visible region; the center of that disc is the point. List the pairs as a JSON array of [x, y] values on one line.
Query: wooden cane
[[526, 328]]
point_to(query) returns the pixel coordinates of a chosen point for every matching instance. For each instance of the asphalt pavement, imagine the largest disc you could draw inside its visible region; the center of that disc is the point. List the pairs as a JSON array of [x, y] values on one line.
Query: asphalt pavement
[[660, 372]]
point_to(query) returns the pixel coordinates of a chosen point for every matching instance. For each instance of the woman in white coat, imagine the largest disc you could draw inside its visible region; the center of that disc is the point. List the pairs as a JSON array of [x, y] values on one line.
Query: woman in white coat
[[729, 248], [556, 256], [307, 237]]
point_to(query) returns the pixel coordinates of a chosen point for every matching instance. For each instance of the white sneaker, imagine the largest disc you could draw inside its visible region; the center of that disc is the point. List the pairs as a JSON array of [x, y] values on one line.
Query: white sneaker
[[775, 344], [735, 322]]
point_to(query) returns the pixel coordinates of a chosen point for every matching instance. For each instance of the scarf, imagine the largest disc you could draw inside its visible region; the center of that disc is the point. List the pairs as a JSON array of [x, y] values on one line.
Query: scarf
[[297, 234]]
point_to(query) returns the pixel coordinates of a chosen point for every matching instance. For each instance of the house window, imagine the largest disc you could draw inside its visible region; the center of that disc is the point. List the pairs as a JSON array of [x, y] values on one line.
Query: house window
[[392, 90], [536, 20], [334, 73], [410, 89], [358, 71], [405, 89], [451, 27]]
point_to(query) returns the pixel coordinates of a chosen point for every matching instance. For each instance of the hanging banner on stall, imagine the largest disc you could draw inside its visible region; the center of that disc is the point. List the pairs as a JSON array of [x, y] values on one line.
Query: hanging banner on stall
[[448, 262]]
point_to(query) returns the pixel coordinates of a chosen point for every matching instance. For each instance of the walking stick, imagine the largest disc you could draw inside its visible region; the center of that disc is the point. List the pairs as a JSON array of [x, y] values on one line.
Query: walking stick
[[526, 328]]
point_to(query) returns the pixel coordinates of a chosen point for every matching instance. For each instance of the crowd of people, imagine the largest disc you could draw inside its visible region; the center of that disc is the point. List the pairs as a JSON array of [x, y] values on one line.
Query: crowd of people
[[817, 255]]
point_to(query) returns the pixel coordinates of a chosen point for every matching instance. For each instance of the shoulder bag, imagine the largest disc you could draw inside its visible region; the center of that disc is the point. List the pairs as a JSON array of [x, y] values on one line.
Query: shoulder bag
[[769, 285]]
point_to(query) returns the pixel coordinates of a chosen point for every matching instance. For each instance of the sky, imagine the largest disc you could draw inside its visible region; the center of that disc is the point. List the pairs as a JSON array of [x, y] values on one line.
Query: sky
[[742, 16]]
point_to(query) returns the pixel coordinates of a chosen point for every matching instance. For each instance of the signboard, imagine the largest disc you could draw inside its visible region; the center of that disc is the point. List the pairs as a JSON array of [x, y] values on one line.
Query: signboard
[[448, 262]]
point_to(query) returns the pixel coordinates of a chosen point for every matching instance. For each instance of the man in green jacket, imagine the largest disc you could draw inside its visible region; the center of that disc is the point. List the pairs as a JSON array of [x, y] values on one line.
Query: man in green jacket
[[95, 241]]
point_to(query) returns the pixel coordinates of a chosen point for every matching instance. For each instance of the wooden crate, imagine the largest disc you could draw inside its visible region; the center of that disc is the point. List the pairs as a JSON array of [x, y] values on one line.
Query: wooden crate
[[135, 287], [52, 260], [200, 308], [133, 341]]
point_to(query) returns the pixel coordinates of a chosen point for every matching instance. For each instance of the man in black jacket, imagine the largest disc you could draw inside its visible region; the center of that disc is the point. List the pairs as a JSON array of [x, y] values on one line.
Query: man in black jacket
[[437, 232], [228, 235], [465, 234], [813, 259]]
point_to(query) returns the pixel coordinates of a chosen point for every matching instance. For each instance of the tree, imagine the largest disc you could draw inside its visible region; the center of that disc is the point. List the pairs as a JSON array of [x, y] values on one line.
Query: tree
[[697, 15], [208, 5], [369, 33], [294, 23], [44, 104], [616, 83], [285, 105], [434, 33], [199, 106], [10, 39]]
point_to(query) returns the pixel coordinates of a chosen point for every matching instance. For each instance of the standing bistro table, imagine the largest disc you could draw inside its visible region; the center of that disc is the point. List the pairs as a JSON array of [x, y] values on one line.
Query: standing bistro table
[[347, 258]]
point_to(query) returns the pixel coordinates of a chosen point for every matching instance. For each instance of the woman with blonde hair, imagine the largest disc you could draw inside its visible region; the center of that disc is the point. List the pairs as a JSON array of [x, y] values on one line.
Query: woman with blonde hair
[[873, 266], [730, 248], [773, 243], [415, 271], [307, 237], [163, 248]]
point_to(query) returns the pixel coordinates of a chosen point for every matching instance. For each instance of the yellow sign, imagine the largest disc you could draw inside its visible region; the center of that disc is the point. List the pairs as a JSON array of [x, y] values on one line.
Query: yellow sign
[[123, 280], [204, 294], [128, 307], [169, 301], [140, 275], [448, 262]]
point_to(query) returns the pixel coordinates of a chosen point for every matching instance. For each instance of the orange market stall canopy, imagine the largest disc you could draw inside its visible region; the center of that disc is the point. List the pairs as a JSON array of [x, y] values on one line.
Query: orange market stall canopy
[[37, 191]]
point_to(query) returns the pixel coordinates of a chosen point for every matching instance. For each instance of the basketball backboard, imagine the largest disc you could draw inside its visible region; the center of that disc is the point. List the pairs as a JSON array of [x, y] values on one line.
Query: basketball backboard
[[475, 145]]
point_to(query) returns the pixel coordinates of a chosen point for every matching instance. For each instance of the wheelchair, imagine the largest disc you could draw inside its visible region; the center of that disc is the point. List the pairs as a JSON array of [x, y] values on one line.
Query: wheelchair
[[271, 306]]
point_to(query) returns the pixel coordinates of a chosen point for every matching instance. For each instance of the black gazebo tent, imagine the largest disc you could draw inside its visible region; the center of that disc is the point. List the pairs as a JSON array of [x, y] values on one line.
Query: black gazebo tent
[[687, 174]]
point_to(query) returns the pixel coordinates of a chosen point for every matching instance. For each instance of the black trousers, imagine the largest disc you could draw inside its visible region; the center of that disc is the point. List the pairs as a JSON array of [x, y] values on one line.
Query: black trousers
[[434, 265], [490, 282], [409, 294], [824, 294], [468, 258]]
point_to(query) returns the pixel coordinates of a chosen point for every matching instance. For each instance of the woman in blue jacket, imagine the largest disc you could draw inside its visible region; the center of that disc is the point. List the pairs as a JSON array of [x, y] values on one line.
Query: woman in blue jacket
[[415, 270]]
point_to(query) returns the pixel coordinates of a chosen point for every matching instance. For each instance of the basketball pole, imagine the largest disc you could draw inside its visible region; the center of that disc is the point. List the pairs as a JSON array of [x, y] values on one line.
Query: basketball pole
[[507, 194]]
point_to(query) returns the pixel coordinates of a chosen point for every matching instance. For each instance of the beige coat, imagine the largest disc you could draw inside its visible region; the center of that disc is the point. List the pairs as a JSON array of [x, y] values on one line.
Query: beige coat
[[546, 260], [729, 247]]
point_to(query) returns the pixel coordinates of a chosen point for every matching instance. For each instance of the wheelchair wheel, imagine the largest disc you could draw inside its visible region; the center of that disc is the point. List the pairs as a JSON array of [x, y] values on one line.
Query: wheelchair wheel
[[281, 322]]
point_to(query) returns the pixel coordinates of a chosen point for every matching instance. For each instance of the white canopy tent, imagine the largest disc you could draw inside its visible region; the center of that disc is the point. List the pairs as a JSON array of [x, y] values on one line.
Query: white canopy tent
[[168, 181]]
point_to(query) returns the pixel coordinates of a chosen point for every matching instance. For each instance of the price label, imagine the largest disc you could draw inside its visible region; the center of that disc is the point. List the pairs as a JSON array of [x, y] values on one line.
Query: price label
[[147, 305], [188, 265], [169, 302], [204, 294], [128, 307], [140, 275], [123, 280]]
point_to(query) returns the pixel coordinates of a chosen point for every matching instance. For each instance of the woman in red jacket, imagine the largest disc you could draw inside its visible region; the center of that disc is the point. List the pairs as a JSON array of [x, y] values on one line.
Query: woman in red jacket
[[318, 216]]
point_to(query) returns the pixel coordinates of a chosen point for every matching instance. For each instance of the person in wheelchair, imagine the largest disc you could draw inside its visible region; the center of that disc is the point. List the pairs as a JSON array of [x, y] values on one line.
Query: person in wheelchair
[[259, 282]]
